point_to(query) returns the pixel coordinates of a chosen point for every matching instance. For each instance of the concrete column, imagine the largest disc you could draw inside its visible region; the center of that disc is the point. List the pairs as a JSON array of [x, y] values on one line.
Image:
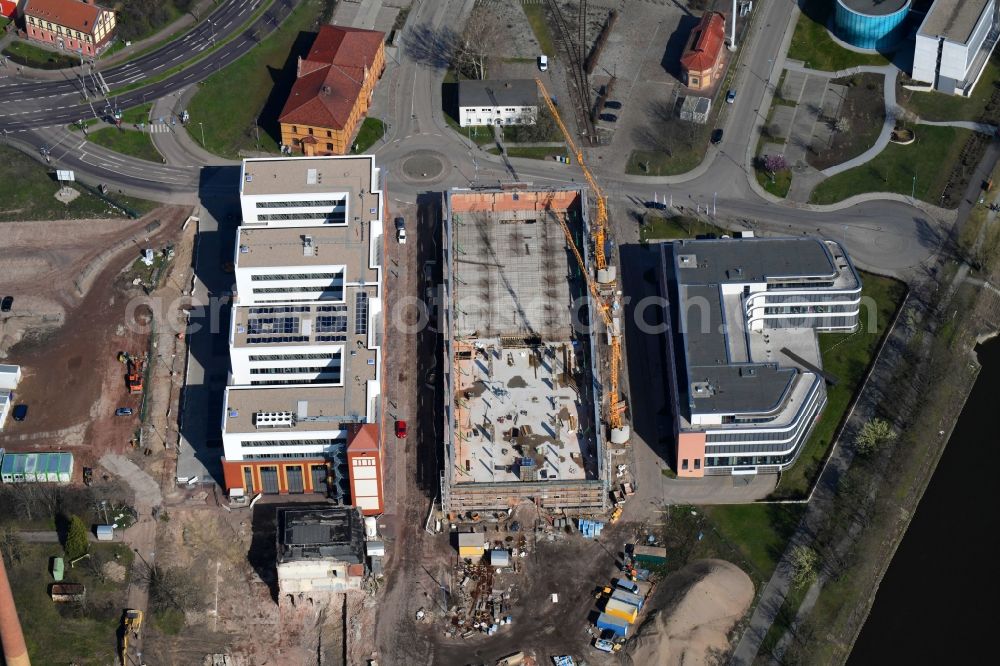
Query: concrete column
[[15, 652]]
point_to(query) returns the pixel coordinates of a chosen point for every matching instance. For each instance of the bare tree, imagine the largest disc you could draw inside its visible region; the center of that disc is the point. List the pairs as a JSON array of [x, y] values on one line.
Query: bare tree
[[479, 41], [842, 124]]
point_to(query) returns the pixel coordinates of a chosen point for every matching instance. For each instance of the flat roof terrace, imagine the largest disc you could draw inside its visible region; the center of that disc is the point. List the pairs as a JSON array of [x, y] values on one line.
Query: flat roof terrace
[[272, 247], [298, 408], [953, 19], [348, 323], [520, 415], [307, 175]]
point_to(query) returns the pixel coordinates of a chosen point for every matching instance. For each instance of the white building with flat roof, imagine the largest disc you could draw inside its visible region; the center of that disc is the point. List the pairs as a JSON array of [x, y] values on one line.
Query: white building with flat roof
[[954, 43], [305, 333]]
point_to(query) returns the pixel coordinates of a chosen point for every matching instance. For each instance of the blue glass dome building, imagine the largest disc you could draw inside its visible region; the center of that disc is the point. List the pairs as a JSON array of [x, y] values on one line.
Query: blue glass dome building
[[871, 24]]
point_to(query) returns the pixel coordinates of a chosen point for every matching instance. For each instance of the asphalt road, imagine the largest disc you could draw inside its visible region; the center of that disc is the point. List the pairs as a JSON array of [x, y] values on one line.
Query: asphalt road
[[29, 104]]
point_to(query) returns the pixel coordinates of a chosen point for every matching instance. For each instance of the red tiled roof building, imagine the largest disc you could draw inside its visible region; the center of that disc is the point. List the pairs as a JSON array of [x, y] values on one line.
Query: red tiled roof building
[[702, 61], [76, 26], [332, 90]]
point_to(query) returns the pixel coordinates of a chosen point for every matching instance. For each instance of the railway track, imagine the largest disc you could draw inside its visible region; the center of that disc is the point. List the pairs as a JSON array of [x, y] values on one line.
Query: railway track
[[573, 49]]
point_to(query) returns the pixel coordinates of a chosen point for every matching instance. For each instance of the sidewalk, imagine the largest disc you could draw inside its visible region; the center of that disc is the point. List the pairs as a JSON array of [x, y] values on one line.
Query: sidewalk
[[177, 145], [203, 8]]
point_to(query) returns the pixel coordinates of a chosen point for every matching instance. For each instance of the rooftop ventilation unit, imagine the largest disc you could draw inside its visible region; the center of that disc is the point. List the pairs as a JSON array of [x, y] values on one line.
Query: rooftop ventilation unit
[[687, 260], [308, 250], [312, 176], [273, 419]]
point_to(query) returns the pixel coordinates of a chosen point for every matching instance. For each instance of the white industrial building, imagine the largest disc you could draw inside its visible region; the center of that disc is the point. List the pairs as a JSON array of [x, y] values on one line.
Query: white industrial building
[[306, 327], [513, 102], [954, 43]]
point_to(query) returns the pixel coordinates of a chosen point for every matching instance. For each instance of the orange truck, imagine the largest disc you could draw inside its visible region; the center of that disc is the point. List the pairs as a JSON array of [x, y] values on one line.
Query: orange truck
[[133, 379]]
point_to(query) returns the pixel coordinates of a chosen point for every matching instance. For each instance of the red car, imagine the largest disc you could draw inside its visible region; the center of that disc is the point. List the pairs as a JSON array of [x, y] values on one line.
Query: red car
[[401, 429]]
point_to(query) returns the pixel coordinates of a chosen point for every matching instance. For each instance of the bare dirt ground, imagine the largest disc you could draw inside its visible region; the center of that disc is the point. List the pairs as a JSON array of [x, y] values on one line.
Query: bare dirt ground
[[239, 616], [70, 315]]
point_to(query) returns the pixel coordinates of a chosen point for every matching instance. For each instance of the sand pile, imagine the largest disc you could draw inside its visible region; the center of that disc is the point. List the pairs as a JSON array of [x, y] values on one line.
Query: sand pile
[[693, 612]]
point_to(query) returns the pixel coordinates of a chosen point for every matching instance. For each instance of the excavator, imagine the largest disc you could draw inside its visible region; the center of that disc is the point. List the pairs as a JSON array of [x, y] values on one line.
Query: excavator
[[131, 623], [616, 407]]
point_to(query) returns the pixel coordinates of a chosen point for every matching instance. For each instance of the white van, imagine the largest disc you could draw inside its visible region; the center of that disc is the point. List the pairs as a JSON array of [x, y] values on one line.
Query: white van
[[543, 63]]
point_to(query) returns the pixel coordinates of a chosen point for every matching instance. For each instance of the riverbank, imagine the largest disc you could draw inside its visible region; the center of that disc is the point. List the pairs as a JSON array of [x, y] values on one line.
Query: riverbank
[[945, 533], [876, 497]]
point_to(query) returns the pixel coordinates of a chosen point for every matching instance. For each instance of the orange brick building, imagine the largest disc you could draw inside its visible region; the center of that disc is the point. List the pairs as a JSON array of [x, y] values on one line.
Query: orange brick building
[[332, 91], [702, 61], [78, 26]]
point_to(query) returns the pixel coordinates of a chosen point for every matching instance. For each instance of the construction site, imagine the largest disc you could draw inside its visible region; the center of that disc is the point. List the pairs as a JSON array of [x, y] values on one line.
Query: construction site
[[522, 361]]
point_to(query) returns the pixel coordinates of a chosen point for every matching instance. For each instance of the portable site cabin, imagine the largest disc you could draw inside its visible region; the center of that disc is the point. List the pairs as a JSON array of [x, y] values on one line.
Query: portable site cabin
[[470, 544], [614, 624], [650, 555], [500, 558], [622, 610], [105, 532], [36, 468], [628, 598]]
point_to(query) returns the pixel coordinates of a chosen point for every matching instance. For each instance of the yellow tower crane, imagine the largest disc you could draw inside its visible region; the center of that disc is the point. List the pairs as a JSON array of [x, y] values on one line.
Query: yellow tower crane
[[616, 406], [601, 224]]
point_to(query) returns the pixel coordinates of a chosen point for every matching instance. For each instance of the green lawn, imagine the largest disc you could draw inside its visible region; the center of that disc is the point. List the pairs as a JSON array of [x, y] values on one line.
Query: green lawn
[[371, 131], [540, 26], [759, 531], [657, 227], [33, 198], [779, 186], [939, 106], [137, 114], [533, 152], [846, 356], [929, 158], [127, 142], [84, 636], [229, 102], [656, 163], [813, 45], [30, 55]]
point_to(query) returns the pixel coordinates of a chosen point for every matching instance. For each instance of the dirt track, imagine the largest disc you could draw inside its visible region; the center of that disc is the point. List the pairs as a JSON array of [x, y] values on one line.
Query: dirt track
[[70, 306]]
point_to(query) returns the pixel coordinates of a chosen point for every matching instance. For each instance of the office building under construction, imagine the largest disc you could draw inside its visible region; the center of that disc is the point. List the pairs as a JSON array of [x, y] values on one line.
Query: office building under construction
[[522, 413]]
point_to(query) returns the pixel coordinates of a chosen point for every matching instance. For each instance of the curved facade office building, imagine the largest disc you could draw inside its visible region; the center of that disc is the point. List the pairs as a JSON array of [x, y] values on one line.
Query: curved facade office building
[[871, 24], [745, 379]]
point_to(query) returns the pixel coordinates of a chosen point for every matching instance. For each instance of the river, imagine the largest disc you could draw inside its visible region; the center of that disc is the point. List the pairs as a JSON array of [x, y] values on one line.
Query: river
[[935, 602]]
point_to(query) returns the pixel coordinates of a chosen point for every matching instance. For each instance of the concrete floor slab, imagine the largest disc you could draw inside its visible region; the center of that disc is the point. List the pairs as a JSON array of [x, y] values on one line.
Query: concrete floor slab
[[782, 119]]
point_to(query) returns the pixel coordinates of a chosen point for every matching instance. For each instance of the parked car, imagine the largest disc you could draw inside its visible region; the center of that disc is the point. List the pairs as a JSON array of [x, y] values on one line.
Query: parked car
[[543, 63], [123, 411], [20, 412], [612, 104], [603, 645], [6, 304], [730, 96], [609, 117], [401, 429], [401, 230], [717, 136]]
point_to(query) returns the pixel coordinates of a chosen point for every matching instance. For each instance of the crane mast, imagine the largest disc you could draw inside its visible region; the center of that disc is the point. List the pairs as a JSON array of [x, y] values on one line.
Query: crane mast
[[616, 406]]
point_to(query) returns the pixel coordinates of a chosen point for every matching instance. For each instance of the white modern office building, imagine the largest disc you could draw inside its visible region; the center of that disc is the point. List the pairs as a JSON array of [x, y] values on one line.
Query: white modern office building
[[513, 102], [305, 333], [745, 378], [954, 43]]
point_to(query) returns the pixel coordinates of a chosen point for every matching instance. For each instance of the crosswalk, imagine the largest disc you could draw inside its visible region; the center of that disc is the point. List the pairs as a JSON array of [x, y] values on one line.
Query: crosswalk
[[157, 128]]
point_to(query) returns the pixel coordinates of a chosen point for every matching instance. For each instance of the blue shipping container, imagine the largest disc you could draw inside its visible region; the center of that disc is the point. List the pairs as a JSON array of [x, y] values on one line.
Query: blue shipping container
[[626, 585], [628, 598], [617, 625]]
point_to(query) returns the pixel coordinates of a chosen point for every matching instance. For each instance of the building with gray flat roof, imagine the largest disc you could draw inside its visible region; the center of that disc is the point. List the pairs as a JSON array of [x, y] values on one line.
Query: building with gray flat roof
[[497, 102], [954, 43], [744, 371]]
